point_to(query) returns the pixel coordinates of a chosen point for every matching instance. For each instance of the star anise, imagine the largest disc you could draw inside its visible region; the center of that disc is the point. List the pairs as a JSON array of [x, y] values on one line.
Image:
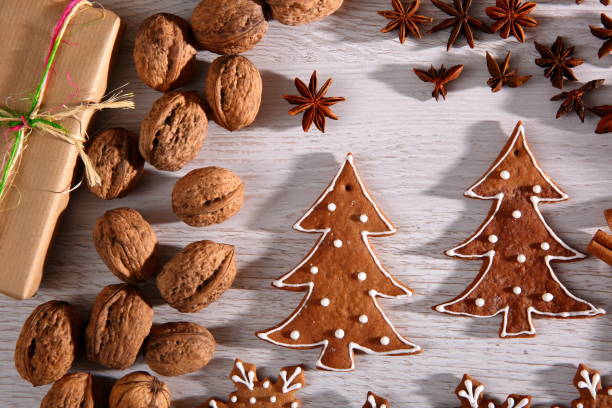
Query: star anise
[[404, 19], [502, 75], [313, 103], [574, 100], [511, 16], [461, 21], [605, 113], [558, 62], [439, 78], [605, 33]]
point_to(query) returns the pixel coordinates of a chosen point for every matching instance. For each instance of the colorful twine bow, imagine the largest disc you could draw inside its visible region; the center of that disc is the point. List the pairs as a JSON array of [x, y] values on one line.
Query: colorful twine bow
[[22, 124]]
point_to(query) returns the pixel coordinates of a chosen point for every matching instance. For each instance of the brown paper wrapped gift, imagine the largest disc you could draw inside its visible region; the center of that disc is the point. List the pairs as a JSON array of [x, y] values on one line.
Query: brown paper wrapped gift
[[30, 211]]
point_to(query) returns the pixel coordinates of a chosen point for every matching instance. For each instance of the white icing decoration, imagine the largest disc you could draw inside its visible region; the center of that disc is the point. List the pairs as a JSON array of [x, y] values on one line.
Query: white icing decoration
[[579, 405], [590, 383], [470, 394], [266, 384], [314, 270], [288, 384], [273, 399], [213, 404], [294, 404], [363, 319], [331, 207], [252, 400], [294, 335], [516, 214], [234, 398], [517, 290], [505, 174], [247, 377], [363, 218], [520, 132], [609, 391], [547, 297], [339, 334], [480, 302], [383, 405], [491, 405], [384, 340], [493, 238], [325, 302], [362, 276], [521, 258], [280, 283], [537, 189], [510, 403], [337, 243], [545, 246]]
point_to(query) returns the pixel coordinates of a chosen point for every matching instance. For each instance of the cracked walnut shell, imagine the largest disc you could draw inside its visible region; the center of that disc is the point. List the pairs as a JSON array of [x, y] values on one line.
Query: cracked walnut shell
[[127, 244], [178, 348], [75, 390], [228, 27], [114, 154], [120, 320], [163, 54], [48, 343], [174, 131], [139, 390], [233, 91], [207, 196], [298, 12], [197, 276]]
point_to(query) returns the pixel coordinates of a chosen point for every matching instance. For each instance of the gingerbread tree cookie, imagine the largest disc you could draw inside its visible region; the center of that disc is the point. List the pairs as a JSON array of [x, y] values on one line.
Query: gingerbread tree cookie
[[470, 394], [343, 279], [517, 247], [252, 393], [601, 244]]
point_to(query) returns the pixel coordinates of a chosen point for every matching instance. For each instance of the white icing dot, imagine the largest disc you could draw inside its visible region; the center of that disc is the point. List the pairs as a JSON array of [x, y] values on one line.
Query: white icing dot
[[547, 297], [337, 243], [383, 405], [384, 340], [480, 302], [331, 207], [537, 189], [517, 290], [521, 258], [516, 214], [372, 292], [505, 174], [362, 276], [314, 270], [339, 334], [294, 404], [273, 399], [491, 405], [325, 302], [565, 314], [545, 246], [363, 319], [252, 400], [294, 335], [579, 405], [363, 218], [234, 398], [493, 238], [266, 384], [212, 404], [609, 391]]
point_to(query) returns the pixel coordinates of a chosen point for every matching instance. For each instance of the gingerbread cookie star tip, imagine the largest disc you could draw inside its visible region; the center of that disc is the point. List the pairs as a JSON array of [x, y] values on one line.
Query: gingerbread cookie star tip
[[374, 401], [345, 215]]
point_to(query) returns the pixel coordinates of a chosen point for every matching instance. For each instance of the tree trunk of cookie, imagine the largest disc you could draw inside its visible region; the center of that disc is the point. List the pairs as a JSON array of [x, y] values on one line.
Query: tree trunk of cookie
[[517, 322], [337, 356]]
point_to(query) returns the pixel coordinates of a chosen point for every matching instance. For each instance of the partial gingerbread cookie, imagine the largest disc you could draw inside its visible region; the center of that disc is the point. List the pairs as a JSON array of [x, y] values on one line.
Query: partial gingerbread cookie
[[470, 394], [374, 401], [251, 392], [592, 392], [517, 248], [601, 244], [343, 279], [298, 12]]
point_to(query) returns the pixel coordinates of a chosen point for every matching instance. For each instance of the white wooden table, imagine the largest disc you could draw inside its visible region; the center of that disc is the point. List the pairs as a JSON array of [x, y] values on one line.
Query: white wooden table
[[417, 157]]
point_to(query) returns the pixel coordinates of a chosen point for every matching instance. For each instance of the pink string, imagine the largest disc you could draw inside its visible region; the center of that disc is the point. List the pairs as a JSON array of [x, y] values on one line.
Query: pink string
[[22, 125], [60, 25]]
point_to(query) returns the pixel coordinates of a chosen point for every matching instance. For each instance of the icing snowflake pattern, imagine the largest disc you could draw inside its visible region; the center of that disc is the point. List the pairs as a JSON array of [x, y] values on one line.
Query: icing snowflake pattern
[[471, 394], [592, 392]]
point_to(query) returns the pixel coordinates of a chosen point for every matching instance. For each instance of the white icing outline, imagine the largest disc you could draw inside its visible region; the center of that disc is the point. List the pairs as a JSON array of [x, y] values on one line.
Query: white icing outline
[[373, 293], [518, 132], [247, 377], [590, 383], [288, 384], [471, 394]]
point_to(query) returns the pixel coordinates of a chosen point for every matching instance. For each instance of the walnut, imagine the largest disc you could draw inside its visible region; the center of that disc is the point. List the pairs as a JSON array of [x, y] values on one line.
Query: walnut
[[233, 91], [120, 320], [228, 27], [298, 12], [127, 244], [139, 390], [114, 154], [76, 390], [178, 348], [174, 131], [207, 196], [48, 342], [163, 54], [197, 276]]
